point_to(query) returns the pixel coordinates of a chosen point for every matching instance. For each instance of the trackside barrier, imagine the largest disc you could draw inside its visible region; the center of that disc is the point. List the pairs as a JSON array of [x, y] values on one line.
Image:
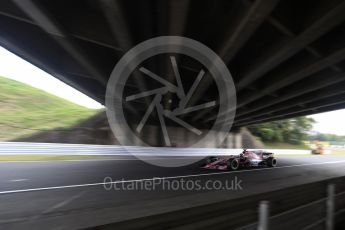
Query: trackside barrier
[[12, 148], [317, 205], [328, 220], [263, 215], [330, 207]]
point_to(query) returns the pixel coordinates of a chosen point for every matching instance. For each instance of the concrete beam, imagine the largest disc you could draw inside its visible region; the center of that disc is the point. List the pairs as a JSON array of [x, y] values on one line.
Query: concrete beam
[[249, 22], [119, 28], [286, 31], [290, 78], [47, 23], [236, 37], [314, 86], [313, 97], [178, 16], [299, 75], [271, 59], [336, 101], [117, 23], [74, 35]]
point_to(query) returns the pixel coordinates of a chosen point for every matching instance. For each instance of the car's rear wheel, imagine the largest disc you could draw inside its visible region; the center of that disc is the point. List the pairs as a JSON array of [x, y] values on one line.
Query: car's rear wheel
[[272, 162], [233, 164]]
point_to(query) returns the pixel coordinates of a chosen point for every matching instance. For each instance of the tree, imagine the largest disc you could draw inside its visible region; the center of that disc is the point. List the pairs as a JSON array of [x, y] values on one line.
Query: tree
[[292, 131]]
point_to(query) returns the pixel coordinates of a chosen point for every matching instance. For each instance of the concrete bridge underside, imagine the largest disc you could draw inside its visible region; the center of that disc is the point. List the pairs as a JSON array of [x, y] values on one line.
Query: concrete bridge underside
[[286, 57]]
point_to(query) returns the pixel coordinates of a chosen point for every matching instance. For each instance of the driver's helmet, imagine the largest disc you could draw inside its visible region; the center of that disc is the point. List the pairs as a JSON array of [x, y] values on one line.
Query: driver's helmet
[[244, 150]]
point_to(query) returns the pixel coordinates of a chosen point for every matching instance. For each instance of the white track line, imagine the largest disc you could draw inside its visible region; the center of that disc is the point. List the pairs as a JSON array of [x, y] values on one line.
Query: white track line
[[58, 205], [161, 178], [18, 180]]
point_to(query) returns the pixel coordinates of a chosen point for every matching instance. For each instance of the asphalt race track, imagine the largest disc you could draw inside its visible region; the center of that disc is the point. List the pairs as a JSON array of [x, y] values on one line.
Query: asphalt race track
[[71, 194]]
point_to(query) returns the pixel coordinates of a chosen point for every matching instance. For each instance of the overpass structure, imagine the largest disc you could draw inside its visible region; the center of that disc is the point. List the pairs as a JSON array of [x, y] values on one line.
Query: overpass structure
[[286, 57]]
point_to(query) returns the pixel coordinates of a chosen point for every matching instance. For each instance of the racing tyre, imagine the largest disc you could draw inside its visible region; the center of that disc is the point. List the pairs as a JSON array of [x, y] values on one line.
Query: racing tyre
[[233, 164], [272, 162]]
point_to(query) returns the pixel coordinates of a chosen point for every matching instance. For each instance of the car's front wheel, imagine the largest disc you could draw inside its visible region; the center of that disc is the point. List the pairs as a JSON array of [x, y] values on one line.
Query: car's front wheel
[[233, 164]]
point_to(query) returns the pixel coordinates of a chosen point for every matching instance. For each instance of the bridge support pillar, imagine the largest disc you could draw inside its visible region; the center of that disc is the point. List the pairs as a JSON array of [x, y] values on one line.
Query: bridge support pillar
[[237, 140]]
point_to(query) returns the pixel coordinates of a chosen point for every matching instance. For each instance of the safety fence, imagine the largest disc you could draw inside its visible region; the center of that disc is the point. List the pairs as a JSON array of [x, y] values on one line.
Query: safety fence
[[318, 214], [317, 205]]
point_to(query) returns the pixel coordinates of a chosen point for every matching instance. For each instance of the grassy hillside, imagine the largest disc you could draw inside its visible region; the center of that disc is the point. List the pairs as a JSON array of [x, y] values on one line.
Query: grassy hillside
[[25, 110]]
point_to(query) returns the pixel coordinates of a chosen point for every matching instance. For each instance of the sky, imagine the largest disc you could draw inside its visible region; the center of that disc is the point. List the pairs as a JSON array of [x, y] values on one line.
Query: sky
[[12, 66], [330, 122]]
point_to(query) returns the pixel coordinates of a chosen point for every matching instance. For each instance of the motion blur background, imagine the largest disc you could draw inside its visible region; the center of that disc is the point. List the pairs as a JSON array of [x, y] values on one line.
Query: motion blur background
[[286, 58]]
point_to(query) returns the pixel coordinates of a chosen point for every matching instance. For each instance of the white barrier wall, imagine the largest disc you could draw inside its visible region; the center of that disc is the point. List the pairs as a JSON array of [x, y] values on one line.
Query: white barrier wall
[[117, 150]]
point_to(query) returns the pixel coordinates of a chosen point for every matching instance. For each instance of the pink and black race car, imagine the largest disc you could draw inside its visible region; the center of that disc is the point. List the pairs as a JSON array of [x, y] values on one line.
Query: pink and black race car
[[248, 158]]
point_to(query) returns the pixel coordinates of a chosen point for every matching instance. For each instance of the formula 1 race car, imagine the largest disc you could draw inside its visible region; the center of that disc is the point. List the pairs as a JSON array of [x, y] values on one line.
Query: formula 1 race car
[[248, 158], [318, 150]]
